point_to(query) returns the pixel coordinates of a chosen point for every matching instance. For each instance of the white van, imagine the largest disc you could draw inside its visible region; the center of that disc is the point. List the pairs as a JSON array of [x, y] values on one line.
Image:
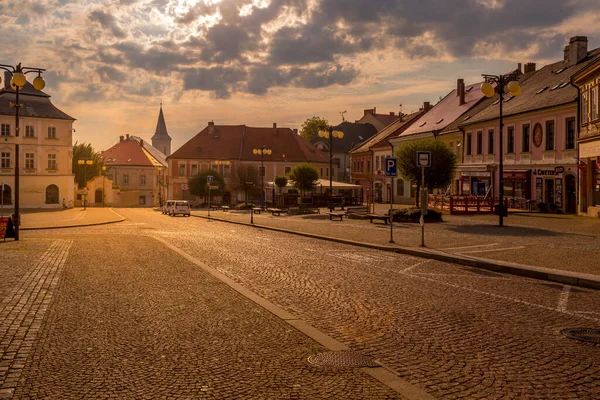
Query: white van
[[180, 207]]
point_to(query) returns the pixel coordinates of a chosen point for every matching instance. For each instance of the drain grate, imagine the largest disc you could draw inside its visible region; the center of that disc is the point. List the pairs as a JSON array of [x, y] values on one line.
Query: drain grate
[[583, 334], [343, 359]]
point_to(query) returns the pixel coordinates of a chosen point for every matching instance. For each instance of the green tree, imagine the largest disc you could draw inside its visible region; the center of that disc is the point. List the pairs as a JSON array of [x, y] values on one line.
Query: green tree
[[304, 177], [245, 178], [312, 126], [441, 171], [85, 152], [281, 182], [199, 184]]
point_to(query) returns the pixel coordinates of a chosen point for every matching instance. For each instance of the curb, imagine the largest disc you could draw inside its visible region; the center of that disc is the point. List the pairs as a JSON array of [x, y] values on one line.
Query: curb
[[71, 226], [528, 271]]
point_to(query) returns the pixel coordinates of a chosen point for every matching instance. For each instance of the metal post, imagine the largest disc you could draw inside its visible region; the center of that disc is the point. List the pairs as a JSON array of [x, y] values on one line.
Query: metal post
[[262, 179], [85, 184], [209, 201], [252, 216], [422, 220], [391, 210], [330, 168], [501, 165], [17, 220], [2, 199]]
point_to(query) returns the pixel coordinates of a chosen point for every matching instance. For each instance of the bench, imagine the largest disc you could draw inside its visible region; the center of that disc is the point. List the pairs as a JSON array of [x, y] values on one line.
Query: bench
[[384, 217], [309, 210], [225, 208], [257, 210], [276, 211], [214, 207], [337, 214], [356, 212]]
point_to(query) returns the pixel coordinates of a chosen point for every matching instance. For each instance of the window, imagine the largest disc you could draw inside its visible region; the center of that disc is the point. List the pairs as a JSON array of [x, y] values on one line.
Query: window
[[594, 103], [510, 139], [52, 161], [479, 142], [52, 194], [584, 108], [181, 169], [526, 138], [142, 180], [368, 165], [5, 160], [490, 141], [29, 161], [226, 171], [549, 135], [400, 187], [458, 150], [570, 133], [287, 170], [142, 200], [327, 171], [29, 131], [125, 179], [51, 132], [194, 169], [468, 144], [5, 130]]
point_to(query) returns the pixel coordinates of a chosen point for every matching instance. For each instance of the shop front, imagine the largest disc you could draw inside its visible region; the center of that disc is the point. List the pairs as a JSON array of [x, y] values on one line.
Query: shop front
[[589, 169], [476, 183], [555, 188]]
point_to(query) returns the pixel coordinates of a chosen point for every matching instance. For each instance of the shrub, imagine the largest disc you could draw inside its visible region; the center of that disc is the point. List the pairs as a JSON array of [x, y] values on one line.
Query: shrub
[[414, 213], [244, 206], [542, 207]]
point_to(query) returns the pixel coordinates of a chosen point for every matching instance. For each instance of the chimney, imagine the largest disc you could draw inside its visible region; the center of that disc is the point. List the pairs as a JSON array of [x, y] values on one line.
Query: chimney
[[566, 53], [142, 142], [578, 49], [275, 125], [529, 67], [296, 131], [374, 110], [426, 106], [121, 138], [211, 123], [127, 136], [519, 67], [460, 91]]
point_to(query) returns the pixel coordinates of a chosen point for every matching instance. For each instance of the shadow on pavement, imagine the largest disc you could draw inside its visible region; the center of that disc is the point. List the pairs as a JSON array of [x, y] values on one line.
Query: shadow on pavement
[[491, 230]]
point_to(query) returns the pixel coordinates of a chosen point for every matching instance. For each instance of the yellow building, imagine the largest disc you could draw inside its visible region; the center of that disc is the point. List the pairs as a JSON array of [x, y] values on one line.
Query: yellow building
[[45, 144]]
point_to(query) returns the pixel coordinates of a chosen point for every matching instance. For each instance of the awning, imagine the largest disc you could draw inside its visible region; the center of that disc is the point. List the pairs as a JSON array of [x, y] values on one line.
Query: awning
[[337, 185]]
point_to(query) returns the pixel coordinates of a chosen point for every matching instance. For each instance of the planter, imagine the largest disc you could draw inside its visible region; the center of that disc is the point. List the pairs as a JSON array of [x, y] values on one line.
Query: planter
[[416, 221]]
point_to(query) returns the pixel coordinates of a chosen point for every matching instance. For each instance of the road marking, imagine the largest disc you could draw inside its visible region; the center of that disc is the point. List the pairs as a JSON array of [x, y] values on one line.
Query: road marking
[[563, 299], [468, 247], [490, 250], [404, 271]]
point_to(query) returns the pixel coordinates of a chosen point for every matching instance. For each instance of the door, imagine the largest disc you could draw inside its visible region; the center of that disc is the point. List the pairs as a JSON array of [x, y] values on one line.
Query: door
[[549, 191], [98, 196], [571, 198]]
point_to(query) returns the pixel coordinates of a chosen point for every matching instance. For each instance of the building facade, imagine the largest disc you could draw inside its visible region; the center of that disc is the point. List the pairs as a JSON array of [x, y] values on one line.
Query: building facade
[[45, 141]]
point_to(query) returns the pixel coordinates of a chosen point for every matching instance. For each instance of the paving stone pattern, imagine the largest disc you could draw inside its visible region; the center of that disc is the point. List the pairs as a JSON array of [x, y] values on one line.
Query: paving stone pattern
[[135, 321], [22, 312]]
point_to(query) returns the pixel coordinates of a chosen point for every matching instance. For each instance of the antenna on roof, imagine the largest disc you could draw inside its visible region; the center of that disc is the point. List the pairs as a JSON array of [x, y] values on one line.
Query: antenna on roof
[[342, 114]]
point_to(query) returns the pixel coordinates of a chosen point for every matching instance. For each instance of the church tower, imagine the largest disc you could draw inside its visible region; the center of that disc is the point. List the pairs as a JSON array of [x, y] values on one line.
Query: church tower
[[161, 139]]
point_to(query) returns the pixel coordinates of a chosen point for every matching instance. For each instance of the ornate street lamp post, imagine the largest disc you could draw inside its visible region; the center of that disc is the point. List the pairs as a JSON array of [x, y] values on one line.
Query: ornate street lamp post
[[330, 134], [501, 82], [103, 177], [85, 162], [262, 150], [17, 82]]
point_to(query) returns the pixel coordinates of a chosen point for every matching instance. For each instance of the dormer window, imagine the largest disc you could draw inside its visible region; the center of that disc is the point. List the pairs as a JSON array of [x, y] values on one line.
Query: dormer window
[[560, 70], [467, 90], [423, 124], [541, 90], [440, 121]]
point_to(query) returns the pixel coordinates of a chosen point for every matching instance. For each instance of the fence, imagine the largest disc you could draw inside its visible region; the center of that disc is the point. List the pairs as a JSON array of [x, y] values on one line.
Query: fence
[[462, 204]]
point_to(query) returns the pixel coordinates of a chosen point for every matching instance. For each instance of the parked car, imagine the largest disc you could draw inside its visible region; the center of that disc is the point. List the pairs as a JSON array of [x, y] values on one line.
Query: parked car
[[166, 209], [180, 207]]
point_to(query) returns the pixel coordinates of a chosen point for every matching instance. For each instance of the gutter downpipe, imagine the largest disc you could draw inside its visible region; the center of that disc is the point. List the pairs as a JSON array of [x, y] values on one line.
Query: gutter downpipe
[[578, 188]]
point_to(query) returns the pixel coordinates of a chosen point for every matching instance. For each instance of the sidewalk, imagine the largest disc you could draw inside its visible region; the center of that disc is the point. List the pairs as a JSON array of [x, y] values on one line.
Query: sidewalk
[[73, 217]]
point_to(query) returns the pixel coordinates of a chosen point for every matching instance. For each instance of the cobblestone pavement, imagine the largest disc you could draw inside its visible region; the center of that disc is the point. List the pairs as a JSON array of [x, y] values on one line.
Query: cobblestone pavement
[[553, 241], [131, 320], [454, 331]]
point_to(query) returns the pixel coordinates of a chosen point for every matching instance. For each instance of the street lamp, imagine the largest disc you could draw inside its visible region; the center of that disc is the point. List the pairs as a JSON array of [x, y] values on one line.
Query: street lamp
[[17, 82], [330, 134], [508, 81], [85, 162], [160, 201], [103, 177], [262, 150]]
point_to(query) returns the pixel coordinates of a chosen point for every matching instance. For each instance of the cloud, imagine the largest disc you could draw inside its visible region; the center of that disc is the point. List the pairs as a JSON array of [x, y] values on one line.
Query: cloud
[[107, 21], [219, 80]]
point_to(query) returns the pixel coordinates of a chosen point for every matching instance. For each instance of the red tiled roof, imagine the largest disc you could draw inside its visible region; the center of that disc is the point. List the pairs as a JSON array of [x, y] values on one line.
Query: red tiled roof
[[386, 119], [237, 142], [392, 130], [126, 153]]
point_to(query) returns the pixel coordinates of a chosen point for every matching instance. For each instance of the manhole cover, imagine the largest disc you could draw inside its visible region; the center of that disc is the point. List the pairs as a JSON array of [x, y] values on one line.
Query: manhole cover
[[344, 359], [583, 334]]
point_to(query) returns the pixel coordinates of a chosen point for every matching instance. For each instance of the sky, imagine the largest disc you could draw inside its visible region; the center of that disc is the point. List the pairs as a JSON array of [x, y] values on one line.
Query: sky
[[111, 63]]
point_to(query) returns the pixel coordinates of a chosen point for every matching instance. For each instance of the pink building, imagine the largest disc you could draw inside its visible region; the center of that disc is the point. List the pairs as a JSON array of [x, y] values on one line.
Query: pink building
[[539, 137]]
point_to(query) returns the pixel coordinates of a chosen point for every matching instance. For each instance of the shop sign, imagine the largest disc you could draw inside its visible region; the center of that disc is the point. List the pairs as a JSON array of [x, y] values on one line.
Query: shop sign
[[550, 172]]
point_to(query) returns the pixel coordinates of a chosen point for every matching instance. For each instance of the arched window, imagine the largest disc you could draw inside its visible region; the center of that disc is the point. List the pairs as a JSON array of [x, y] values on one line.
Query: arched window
[[6, 195], [400, 187], [52, 194]]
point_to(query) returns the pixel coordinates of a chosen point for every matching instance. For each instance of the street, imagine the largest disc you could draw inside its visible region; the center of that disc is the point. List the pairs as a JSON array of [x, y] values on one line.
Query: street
[[133, 311]]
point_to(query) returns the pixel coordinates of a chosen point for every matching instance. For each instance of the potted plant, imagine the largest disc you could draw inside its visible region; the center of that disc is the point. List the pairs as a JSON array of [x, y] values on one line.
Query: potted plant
[[542, 207]]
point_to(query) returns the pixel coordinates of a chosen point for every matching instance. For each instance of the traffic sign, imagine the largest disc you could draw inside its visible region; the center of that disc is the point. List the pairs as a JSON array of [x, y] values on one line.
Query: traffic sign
[[211, 187], [423, 159], [391, 166], [209, 178], [184, 186]]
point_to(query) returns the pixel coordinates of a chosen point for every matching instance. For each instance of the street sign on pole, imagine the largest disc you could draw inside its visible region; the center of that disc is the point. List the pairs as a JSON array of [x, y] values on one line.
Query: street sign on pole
[[423, 159], [209, 178], [391, 166], [213, 187]]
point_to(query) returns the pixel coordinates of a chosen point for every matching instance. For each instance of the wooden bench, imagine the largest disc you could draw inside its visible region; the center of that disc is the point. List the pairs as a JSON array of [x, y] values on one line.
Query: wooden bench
[[257, 210], [384, 217], [276, 211], [225, 208], [214, 207], [356, 212], [309, 210], [337, 214]]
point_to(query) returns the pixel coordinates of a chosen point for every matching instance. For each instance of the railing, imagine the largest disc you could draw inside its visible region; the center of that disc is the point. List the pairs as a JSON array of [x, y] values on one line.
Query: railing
[[462, 204]]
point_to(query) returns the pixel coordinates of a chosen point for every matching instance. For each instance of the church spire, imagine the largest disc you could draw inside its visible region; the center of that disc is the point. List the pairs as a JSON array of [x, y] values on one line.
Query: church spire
[[161, 139]]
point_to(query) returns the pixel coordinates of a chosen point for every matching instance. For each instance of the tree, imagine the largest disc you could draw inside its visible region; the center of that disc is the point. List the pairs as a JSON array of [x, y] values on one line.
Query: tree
[[441, 171], [281, 182], [85, 152], [304, 177], [245, 178], [312, 126], [199, 184]]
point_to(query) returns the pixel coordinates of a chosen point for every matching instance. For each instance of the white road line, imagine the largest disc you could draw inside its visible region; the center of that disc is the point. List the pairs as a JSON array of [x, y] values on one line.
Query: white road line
[[490, 250], [468, 247], [563, 299], [403, 271]]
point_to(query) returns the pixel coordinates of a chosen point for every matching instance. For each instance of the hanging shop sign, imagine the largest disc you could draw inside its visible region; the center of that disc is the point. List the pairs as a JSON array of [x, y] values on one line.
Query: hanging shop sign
[[548, 172]]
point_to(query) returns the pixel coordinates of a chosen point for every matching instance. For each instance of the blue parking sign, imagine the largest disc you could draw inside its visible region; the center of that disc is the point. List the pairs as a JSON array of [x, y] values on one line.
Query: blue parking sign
[[209, 178], [391, 166]]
